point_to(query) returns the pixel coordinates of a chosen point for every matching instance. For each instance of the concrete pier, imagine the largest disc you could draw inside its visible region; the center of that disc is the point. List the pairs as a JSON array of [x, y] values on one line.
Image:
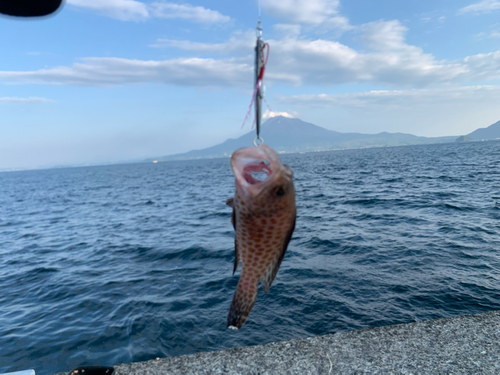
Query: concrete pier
[[467, 344]]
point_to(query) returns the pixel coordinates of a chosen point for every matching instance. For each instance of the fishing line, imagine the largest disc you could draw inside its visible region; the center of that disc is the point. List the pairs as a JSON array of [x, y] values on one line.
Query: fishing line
[[255, 89], [261, 56]]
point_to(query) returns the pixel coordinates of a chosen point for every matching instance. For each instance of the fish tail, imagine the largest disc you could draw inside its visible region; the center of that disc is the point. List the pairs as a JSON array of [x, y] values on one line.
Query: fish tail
[[243, 301]]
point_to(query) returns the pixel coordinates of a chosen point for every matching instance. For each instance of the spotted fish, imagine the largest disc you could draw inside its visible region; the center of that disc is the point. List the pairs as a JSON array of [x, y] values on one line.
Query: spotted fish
[[263, 218]]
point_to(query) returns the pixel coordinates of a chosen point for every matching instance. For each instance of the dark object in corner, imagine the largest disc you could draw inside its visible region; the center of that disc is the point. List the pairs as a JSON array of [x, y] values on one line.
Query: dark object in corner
[[29, 8], [93, 370]]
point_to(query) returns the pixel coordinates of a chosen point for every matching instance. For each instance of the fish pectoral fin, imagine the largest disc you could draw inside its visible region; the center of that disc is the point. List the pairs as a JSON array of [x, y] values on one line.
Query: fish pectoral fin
[[230, 203], [236, 256], [233, 219], [270, 273]]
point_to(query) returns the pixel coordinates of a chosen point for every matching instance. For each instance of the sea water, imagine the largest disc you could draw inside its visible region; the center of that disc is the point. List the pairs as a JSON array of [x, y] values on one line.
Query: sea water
[[122, 263]]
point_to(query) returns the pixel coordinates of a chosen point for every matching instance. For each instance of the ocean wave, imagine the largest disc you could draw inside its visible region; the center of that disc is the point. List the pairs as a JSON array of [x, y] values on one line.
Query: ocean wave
[[102, 265]]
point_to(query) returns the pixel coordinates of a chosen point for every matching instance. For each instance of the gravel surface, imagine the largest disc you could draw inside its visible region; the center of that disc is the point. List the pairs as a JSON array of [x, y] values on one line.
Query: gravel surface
[[463, 345]]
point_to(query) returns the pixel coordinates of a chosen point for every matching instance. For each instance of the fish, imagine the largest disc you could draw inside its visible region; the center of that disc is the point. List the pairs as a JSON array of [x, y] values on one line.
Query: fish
[[264, 214]]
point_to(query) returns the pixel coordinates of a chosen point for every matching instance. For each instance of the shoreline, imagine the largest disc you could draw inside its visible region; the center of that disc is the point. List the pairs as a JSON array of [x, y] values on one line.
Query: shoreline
[[468, 344]]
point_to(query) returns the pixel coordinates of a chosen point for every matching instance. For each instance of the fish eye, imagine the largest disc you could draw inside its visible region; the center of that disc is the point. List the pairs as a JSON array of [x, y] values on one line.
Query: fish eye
[[280, 191]]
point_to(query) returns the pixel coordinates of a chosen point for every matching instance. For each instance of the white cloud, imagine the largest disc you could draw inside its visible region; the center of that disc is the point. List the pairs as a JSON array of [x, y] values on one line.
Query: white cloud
[[117, 71], [132, 10], [270, 114], [187, 12], [396, 98], [494, 32], [125, 10], [287, 30], [387, 60], [385, 36], [485, 6], [30, 100], [433, 17], [240, 43], [484, 66], [427, 112], [311, 12]]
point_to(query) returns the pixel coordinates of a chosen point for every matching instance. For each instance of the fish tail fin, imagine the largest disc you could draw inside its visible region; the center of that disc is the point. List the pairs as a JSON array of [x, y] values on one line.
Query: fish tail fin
[[243, 301]]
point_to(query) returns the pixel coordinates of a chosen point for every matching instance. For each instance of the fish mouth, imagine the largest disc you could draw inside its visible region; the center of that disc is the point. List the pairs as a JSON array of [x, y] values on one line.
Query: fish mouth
[[253, 168], [256, 171]]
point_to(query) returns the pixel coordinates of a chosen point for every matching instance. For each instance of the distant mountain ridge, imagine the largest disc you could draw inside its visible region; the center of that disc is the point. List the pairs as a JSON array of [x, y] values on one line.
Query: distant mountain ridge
[[294, 135], [489, 133]]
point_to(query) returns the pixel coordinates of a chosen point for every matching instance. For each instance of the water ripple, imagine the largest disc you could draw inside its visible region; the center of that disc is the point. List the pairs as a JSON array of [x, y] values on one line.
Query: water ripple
[[103, 265]]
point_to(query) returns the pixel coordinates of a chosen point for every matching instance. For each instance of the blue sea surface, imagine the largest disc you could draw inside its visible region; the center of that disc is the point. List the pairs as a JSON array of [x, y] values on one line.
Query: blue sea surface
[[113, 264]]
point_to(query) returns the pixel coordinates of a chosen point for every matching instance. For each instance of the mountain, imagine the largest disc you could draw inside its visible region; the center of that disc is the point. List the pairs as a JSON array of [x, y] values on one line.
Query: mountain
[[294, 135], [491, 132], [464, 138]]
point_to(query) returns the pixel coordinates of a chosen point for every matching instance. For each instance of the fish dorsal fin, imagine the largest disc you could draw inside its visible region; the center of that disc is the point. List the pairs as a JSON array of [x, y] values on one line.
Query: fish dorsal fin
[[269, 275]]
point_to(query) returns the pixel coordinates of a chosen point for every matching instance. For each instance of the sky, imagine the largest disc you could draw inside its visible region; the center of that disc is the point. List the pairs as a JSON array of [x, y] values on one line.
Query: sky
[[117, 80]]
